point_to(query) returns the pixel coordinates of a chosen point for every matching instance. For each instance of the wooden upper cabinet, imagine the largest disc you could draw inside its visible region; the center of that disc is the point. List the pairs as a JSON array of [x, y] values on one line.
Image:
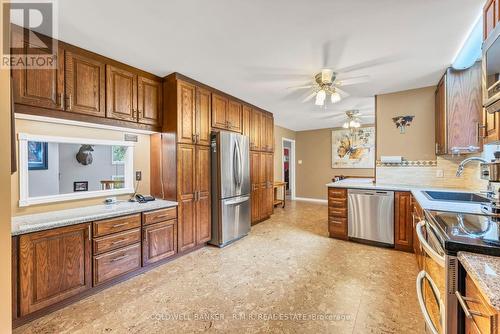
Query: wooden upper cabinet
[[490, 16], [121, 94], [186, 109], [267, 133], [459, 112], [149, 100], [403, 229], [255, 129], [53, 266], [219, 111], [491, 123], [234, 116], [42, 88], [84, 84], [245, 120], [202, 116]]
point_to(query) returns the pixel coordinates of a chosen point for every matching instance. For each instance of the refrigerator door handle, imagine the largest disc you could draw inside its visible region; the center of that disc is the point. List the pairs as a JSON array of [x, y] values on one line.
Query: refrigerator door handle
[[237, 200], [237, 166]]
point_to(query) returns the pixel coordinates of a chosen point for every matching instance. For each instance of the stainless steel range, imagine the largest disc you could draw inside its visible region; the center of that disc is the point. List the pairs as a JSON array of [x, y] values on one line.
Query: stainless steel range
[[441, 236]]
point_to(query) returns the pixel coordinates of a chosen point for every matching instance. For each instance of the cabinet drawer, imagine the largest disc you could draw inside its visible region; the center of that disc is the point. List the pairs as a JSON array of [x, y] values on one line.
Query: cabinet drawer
[[114, 241], [113, 264], [337, 203], [337, 212], [159, 216], [108, 226], [337, 227], [337, 193]]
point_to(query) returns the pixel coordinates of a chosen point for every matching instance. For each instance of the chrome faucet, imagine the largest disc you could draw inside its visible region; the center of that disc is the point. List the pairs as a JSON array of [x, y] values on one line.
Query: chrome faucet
[[461, 167]]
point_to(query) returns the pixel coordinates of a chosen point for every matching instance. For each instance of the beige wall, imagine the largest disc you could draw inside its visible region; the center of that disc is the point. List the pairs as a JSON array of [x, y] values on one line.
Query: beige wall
[[141, 161], [418, 141], [314, 148], [5, 236]]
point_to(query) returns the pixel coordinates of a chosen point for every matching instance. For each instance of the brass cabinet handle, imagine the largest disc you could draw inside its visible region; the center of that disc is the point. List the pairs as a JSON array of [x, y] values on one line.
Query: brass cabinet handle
[[119, 258], [118, 241], [69, 102], [479, 136], [197, 138], [119, 225], [89, 232], [193, 138]]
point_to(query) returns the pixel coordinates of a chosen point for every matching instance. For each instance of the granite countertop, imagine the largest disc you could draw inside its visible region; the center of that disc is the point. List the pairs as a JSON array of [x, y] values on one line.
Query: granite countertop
[[53, 219], [417, 191], [485, 272]]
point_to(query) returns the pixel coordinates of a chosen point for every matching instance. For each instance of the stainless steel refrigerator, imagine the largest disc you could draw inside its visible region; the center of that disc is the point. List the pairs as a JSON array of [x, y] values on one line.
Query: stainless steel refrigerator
[[230, 187]]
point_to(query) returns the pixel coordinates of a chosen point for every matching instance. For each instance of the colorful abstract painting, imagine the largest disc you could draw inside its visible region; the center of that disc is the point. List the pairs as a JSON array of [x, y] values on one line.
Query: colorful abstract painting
[[353, 148]]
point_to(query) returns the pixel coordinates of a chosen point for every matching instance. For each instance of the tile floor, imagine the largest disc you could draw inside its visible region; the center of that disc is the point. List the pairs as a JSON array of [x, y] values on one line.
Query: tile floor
[[287, 276]]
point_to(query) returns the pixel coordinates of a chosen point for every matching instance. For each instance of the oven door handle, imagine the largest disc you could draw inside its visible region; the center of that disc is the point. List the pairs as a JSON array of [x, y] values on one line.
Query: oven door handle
[[420, 295], [428, 248]]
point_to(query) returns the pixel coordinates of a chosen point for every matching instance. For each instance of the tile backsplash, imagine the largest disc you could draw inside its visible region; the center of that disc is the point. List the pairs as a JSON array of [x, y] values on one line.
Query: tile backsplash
[[442, 175]]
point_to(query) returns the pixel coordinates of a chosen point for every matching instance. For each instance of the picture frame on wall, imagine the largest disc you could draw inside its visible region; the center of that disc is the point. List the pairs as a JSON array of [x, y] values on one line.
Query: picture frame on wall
[[38, 155], [353, 148], [80, 186]]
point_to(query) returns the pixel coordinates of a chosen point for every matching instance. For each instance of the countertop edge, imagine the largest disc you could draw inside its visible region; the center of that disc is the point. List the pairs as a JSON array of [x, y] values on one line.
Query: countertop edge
[[491, 297], [38, 227]]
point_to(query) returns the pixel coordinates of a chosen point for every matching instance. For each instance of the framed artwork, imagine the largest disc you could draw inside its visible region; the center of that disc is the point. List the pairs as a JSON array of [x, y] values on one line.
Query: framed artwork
[[353, 148], [80, 186], [38, 155]]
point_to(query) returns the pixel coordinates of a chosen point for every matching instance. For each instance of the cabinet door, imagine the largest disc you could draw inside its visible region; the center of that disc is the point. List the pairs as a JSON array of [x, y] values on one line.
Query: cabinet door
[[121, 94], [186, 189], [245, 121], [219, 111], [255, 130], [42, 88], [159, 241], [234, 116], [403, 234], [149, 101], [490, 13], [270, 133], [267, 133], [269, 170], [54, 265], [203, 113], [464, 108], [203, 216], [84, 84], [441, 128], [491, 123], [186, 112], [255, 175]]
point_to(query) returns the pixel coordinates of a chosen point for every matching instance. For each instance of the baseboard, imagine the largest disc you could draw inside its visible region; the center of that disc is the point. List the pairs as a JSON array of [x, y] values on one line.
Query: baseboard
[[306, 199]]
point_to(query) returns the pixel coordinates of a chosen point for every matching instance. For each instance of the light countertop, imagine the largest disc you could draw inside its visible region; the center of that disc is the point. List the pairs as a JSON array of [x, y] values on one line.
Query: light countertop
[[52, 219], [485, 272], [417, 191]]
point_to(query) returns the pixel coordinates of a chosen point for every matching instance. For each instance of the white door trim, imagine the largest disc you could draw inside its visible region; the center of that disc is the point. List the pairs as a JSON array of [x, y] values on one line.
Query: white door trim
[[291, 162]]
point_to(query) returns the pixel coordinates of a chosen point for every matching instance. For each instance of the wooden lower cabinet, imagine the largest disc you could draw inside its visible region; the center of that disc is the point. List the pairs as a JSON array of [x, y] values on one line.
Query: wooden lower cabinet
[[261, 178], [116, 263], [484, 317], [159, 241], [403, 222], [53, 265], [417, 216], [337, 213]]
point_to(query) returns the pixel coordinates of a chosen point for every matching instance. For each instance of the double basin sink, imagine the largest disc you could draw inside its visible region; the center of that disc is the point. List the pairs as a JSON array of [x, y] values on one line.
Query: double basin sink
[[455, 197]]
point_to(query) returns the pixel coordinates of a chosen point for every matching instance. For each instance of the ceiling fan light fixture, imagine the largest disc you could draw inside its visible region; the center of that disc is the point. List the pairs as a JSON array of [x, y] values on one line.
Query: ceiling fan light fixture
[[346, 125], [320, 98], [335, 97]]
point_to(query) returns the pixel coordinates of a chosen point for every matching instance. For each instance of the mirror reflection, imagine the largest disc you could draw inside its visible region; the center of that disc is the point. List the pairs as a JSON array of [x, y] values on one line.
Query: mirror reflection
[[63, 168]]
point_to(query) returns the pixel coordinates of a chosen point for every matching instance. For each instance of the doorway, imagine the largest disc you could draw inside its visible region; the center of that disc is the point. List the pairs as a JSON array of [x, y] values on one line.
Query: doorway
[[288, 166]]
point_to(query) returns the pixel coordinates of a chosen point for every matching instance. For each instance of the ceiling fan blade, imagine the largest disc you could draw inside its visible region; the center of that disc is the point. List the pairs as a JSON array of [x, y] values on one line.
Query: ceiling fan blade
[[332, 51], [278, 74], [369, 63], [352, 80], [301, 87], [342, 92], [309, 97]]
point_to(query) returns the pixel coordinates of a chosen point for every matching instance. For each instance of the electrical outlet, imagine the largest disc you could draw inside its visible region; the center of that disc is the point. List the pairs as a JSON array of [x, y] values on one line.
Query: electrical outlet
[[138, 175], [439, 173]]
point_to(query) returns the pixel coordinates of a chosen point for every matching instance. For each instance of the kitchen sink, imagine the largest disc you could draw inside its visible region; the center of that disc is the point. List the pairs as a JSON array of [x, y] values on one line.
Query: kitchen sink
[[455, 196]]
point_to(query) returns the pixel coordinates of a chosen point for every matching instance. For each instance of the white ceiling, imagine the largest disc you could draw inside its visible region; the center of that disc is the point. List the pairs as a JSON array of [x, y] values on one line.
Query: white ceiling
[[256, 49]]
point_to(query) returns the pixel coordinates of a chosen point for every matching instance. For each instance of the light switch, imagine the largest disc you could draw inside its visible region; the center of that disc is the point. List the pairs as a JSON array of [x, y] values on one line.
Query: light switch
[[439, 173]]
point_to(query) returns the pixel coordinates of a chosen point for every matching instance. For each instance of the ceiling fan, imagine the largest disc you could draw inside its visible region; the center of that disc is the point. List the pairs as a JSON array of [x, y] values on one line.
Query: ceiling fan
[[353, 119], [325, 85]]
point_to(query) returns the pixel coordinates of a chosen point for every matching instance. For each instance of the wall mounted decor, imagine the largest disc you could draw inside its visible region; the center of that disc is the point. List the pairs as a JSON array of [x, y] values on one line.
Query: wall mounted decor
[[80, 186], [38, 154], [84, 155], [402, 122], [353, 148]]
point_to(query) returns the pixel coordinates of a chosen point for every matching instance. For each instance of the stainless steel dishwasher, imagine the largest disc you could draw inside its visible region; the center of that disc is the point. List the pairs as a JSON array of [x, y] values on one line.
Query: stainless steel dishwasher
[[371, 215]]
